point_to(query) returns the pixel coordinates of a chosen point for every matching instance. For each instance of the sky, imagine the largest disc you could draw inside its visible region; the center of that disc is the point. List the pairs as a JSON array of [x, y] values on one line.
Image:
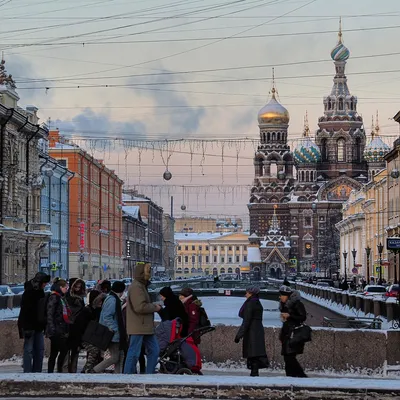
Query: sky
[[149, 70]]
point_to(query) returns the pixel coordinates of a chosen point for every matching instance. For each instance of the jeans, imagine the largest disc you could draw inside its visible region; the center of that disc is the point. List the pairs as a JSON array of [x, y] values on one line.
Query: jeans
[[58, 348], [33, 351], [135, 347], [293, 367]]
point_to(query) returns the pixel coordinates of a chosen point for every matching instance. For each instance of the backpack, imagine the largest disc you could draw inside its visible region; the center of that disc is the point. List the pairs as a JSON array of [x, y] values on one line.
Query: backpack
[[203, 318], [42, 309]]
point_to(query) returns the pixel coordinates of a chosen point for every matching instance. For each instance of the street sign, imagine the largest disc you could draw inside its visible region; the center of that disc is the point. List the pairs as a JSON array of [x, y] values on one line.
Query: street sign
[[354, 270], [393, 243]]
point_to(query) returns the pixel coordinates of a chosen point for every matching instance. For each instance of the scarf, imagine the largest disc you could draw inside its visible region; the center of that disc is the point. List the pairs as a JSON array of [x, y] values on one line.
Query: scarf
[[65, 308], [254, 297], [123, 338]]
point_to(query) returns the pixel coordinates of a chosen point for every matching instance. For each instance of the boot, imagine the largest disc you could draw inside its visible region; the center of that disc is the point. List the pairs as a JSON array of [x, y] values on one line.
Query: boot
[[254, 369]]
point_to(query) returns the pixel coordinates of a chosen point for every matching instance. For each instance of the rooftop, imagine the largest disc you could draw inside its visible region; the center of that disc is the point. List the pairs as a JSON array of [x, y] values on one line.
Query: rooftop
[[203, 235]]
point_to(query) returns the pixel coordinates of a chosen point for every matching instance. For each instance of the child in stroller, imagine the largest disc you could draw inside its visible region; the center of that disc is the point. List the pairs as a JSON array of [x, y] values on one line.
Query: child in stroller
[[179, 355]]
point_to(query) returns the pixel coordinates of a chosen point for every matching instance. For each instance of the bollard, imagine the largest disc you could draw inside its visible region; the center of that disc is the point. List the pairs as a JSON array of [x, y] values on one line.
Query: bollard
[[359, 303], [345, 299], [377, 308], [389, 311], [352, 301], [10, 302], [367, 306], [333, 296]]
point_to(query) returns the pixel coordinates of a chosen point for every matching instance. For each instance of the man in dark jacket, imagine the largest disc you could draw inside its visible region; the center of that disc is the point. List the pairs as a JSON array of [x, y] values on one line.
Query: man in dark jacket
[[173, 308], [293, 314], [31, 330]]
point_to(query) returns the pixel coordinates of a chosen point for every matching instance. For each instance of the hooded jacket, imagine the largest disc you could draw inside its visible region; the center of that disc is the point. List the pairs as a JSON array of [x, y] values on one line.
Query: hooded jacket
[[139, 308], [192, 307], [28, 316], [75, 299]]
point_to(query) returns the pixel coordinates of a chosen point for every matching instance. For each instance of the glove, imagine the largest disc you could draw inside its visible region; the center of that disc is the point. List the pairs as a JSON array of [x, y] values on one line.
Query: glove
[[237, 340]]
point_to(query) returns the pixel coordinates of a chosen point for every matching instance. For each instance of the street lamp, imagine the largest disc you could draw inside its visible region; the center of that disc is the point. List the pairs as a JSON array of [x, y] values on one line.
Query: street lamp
[[345, 266], [368, 251], [380, 250], [354, 252]]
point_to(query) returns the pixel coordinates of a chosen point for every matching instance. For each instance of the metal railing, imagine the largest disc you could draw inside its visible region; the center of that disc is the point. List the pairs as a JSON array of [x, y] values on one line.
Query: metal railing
[[353, 323]]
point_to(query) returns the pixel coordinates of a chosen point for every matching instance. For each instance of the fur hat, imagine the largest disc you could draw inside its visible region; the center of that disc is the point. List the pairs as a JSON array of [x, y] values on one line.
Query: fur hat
[[186, 292], [253, 290], [118, 287], [166, 291], [285, 290]]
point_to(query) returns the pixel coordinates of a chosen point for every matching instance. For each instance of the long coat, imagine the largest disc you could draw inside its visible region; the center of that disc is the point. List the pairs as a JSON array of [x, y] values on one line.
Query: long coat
[[297, 315], [139, 308], [252, 329]]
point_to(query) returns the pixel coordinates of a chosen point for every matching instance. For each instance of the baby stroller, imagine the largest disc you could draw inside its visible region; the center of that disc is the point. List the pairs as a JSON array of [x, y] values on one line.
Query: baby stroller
[[179, 355]]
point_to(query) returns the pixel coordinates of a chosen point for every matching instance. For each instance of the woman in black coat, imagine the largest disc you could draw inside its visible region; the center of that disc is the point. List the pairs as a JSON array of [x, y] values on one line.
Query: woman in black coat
[[173, 308], [293, 314], [252, 332]]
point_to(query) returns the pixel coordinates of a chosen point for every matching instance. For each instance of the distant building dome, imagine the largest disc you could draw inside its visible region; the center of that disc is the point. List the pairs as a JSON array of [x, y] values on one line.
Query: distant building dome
[[273, 113], [376, 149], [307, 151]]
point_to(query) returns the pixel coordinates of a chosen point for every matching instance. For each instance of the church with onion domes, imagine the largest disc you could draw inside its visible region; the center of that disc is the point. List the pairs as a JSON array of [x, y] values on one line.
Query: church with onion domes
[[299, 192]]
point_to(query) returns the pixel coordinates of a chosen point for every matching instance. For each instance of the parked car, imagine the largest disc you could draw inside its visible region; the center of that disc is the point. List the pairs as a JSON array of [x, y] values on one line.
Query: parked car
[[90, 285], [127, 281], [18, 289], [393, 291], [323, 284], [5, 290], [328, 281], [374, 290]]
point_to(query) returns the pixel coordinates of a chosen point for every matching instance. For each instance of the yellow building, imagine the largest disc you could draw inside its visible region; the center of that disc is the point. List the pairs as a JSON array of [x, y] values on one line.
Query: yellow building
[[211, 253], [364, 225]]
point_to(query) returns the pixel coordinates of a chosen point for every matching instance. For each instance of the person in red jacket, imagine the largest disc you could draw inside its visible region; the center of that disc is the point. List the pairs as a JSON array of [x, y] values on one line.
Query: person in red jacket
[[192, 305]]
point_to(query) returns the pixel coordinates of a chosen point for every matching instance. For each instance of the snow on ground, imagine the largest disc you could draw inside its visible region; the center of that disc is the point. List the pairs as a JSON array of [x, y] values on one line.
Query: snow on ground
[[8, 314], [224, 311]]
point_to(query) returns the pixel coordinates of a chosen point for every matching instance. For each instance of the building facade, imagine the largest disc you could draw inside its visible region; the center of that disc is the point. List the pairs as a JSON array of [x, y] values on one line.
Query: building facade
[[307, 186], [134, 238], [211, 253], [95, 204], [54, 211], [22, 233], [152, 215], [204, 224], [168, 251]]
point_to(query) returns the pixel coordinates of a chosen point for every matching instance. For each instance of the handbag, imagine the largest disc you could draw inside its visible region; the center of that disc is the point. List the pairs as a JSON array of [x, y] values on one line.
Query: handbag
[[98, 335], [300, 334]]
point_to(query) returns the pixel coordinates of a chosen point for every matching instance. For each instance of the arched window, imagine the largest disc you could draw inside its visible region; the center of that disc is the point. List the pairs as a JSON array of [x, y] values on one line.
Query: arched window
[[186, 271], [278, 136], [263, 136], [329, 104], [341, 104], [268, 137], [222, 270], [341, 150], [215, 271], [358, 150], [308, 249], [273, 136], [324, 150], [307, 176], [230, 270]]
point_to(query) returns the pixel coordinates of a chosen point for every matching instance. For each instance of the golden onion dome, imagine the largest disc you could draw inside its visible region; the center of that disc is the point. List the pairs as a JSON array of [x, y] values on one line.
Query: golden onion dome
[[273, 113]]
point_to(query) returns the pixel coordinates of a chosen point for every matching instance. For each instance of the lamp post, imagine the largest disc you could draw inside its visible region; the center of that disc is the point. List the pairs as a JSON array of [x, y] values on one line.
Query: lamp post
[[354, 252], [380, 250], [345, 266], [368, 252]]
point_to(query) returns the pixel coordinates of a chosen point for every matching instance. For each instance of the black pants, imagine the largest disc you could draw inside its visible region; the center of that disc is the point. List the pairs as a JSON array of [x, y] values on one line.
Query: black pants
[[293, 367], [58, 348]]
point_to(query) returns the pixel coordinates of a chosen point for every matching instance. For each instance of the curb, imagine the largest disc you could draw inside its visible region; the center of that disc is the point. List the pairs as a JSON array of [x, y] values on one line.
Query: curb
[[195, 387]]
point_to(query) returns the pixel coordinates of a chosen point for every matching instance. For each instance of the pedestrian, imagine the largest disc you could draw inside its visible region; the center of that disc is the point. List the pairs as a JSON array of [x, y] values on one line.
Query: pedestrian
[[104, 286], [140, 322], [75, 298], [192, 307], [29, 326], [111, 317], [91, 312], [58, 322], [252, 332], [173, 308], [293, 314]]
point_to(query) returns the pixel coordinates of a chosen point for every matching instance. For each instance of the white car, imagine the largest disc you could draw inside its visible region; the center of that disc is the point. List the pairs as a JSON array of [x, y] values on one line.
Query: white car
[[323, 284], [374, 290], [5, 290]]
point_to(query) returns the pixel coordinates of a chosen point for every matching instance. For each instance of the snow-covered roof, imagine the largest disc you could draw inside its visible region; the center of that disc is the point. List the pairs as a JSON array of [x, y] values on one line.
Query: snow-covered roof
[[127, 197], [63, 146], [133, 211], [203, 235]]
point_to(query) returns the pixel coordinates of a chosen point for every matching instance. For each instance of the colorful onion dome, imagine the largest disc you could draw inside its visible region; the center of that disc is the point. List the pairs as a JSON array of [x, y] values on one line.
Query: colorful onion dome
[[376, 149], [273, 112], [340, 52], [307, 151]]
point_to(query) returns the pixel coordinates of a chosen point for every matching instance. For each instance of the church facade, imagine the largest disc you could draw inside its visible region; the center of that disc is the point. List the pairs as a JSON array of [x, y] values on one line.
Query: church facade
[[304, 188]]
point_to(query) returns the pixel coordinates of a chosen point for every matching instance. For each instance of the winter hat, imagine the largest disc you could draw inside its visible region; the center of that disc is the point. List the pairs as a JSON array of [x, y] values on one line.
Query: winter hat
[[166, 291], [118, 287], [186, 292], [285, 290], [253, 290], [92, 296], [105, 286], [41, 277]]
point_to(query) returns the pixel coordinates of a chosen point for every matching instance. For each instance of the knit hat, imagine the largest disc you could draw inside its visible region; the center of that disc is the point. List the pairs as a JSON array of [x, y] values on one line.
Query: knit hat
[[118, 287], [41, 277], [92, 296], [253, 290], [166, 291], [186, 292], [285, 290]]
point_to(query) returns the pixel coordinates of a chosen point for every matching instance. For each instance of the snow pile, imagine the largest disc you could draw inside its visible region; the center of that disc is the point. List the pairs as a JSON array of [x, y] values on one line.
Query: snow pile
[[8, 314]]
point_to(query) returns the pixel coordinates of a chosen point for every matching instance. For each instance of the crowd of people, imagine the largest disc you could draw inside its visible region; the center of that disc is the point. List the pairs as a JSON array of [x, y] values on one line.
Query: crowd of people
[[116, 327]]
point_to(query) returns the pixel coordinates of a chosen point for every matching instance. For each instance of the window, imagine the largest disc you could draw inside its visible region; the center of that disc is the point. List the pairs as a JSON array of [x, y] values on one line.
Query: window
[[215, 259], [207, 248], [222, 270], [245, 248], [193, 247], [186, 271], [193, 259], [186, 248], [229, 260], [200, 247], [62, 162], [245, 258], [222, 259], [186, 259], [230, 270], [307, 221], [179, 247], [308, 249], [207, 259], [340, 150], [179, 259], [230, 248], [237, 259]]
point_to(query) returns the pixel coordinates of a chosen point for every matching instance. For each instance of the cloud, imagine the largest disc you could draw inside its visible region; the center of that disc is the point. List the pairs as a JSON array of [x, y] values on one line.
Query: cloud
[[181, 120], [91, 124]]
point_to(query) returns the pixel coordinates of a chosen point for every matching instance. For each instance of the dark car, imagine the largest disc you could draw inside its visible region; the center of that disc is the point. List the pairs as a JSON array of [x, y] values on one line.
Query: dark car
[[393, 291]]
